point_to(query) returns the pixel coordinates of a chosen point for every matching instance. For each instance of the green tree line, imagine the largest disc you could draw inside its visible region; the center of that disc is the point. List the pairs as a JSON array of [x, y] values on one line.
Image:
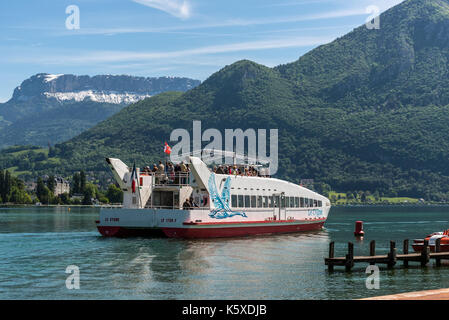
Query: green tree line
[[12, 190]]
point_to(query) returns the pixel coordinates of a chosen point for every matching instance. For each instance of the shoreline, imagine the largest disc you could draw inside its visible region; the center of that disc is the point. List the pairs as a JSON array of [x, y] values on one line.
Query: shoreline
[[392, 205], [12, 205]]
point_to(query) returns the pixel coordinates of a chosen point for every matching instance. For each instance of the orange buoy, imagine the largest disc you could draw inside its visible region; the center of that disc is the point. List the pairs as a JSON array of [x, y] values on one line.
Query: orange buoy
[[359, 229]]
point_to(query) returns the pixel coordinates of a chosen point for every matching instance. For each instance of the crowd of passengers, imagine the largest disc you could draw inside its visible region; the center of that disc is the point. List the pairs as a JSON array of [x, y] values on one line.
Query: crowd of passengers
[[240, 171], [169, 173], [167, 168]]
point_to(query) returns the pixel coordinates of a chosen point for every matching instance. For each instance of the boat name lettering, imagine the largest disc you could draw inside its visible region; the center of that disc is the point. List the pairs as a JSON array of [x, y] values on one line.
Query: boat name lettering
[[315, 213]]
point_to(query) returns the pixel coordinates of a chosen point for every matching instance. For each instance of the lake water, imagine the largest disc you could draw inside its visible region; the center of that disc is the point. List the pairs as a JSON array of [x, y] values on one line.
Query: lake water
[[37, 245]]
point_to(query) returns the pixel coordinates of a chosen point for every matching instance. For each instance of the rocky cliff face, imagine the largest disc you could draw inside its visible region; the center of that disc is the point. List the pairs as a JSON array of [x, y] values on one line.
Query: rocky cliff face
[[56, 107], [71, 87]]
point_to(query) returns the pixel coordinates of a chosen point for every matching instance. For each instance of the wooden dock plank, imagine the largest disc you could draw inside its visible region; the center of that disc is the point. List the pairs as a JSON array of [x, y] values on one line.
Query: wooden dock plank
[[390, 259]]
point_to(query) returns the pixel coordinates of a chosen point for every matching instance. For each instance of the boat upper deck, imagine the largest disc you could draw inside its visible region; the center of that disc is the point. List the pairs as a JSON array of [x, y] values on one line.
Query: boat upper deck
[[179, 174]]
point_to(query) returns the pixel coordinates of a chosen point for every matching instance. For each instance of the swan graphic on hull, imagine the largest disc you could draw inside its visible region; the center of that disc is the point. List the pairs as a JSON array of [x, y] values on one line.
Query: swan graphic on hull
[[222, 209]]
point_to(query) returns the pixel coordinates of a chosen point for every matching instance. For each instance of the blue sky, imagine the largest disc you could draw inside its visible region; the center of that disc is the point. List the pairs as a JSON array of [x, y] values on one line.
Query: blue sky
[[191, 38]]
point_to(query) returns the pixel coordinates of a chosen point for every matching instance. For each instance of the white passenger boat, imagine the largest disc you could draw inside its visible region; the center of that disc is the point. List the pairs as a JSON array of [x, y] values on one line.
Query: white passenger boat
[[224, 205]]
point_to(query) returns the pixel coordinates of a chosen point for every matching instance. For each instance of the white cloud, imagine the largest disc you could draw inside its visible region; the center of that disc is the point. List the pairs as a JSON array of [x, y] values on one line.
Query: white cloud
[[226, 23], [122, 56], [178, 8]]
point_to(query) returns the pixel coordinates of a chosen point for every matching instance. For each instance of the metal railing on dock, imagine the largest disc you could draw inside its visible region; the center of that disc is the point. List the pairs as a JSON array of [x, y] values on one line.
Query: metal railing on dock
[[390, 259]]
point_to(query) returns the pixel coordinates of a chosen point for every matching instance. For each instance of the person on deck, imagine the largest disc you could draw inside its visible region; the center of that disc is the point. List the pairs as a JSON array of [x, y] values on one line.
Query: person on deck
[[161, 172], [193, 203], [186, 205]]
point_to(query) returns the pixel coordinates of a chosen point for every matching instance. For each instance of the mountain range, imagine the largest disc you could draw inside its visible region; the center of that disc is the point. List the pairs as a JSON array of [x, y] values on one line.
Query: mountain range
[[54, 108], [368, 111]]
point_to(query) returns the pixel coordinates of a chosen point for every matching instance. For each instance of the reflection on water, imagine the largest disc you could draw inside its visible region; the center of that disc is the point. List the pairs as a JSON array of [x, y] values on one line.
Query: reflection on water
[[37, 244]]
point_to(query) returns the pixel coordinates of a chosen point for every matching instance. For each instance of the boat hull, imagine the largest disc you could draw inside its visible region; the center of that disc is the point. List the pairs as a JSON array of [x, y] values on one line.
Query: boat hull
[[417, 247], [241, 230], [204, 232], [123, 232], [191, 224]]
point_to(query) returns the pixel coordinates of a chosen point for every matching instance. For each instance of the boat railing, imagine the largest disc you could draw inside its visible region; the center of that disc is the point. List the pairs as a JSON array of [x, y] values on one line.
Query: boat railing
[[161, 179], [176, 207]]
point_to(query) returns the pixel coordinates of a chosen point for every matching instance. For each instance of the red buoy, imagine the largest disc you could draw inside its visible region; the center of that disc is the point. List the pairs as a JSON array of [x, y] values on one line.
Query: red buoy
[[359, 229]]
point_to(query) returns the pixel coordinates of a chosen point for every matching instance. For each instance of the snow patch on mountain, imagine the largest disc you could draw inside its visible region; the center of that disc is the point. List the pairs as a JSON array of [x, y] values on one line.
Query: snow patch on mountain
[[51, 77], [98, 96]]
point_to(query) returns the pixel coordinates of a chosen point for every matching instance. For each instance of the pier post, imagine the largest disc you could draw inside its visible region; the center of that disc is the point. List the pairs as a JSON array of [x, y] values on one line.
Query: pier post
[[392, 255], [350, 257], [438, 249], [372, 250], [330, 266], [425, 255], [405, 251]]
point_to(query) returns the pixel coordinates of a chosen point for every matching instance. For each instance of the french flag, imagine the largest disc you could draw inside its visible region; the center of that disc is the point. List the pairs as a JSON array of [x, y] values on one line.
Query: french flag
[[134, 178]]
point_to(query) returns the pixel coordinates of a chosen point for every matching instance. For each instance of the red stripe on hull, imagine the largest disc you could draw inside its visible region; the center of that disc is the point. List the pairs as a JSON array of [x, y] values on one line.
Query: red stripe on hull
[[120, 232], [246, 222], [190, 233]]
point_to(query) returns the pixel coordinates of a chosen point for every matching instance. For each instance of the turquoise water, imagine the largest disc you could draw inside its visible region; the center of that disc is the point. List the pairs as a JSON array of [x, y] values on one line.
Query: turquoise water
[[37, 244]]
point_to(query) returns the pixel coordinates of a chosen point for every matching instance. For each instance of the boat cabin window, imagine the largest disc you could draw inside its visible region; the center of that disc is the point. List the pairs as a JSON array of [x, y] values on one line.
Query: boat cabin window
[[253, 202], [247, 205], [265, 201], [163, 199], [259, 202], [240, 201], [234, 200]]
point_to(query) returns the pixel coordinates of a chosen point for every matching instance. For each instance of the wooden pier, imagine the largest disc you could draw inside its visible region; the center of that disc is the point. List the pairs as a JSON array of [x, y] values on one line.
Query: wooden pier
[[390, 259]]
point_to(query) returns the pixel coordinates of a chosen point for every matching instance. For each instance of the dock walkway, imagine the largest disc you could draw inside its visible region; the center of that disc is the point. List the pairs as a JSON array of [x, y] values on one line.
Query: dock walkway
[[390, 259]]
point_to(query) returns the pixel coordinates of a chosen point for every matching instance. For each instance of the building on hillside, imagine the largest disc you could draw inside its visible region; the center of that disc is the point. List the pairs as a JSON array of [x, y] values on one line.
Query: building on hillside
[[61, 185]]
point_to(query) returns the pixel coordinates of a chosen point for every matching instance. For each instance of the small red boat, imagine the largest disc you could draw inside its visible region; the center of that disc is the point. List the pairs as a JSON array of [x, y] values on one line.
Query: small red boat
[[431, 238]]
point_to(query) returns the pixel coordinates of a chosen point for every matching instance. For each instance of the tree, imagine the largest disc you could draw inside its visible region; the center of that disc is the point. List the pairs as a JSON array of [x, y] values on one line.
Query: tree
[[2, 186], [76, 183], [363, 197], [114, 194], [82, 181], [7, 186], [51, 185], [64, 198], [90, 192], [20, 196], [42, 192]]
